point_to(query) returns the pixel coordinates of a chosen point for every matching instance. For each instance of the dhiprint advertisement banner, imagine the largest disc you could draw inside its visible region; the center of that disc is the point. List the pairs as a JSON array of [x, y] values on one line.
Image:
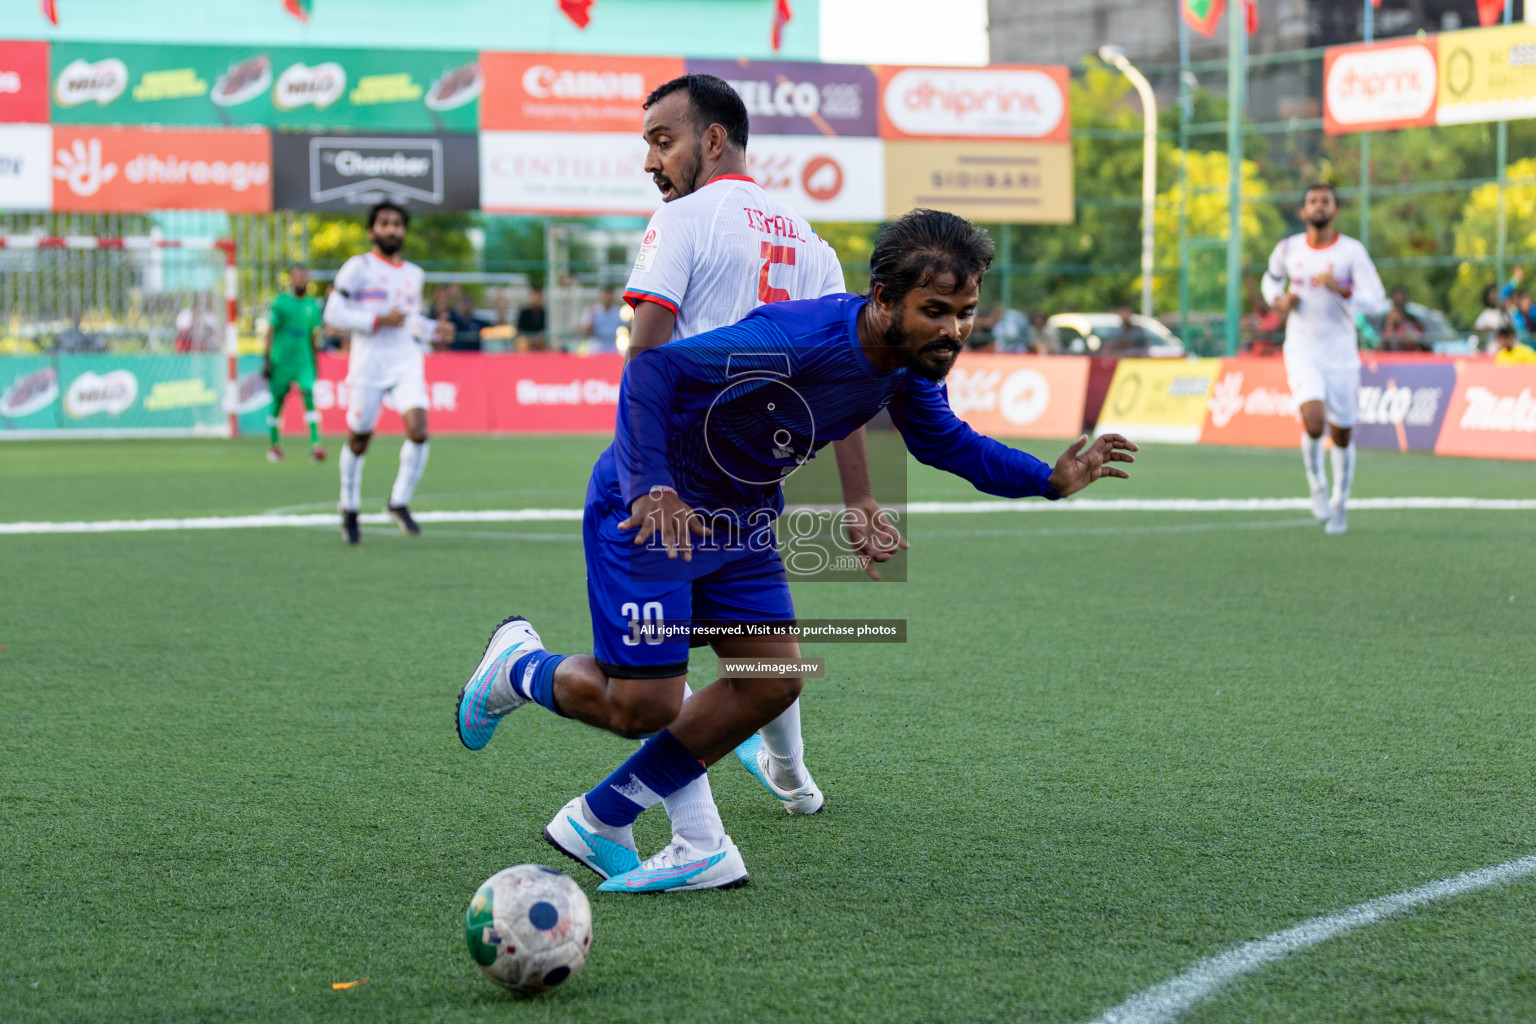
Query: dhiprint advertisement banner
[[1492, 413], [1014, 182], [106, 394], [1402, 404], [278, 87], [570, 92], [565, 173], [23, 83], [476, 394], [1002, 101], [1020, 396], [1159, 399], [1375, 87], [26, 167], [1487, 74], [1251, 404], [110, 170], [789, 98], [345, 172], [821, 178]]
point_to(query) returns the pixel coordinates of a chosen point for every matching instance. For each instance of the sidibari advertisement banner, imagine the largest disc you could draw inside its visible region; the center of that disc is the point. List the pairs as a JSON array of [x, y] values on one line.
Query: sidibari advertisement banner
[[565, 173], [128, 170], [1492, 413], [1002, 101], [1011, 182], [23, 82], [1380, 86], [821, 178], [112, 394], [790, 98], [26, 167], [1159, 399], [1402, 404], [276, 87], [476, 394], [570, 92], [345, 172], [1020, 396], [1487, 74]]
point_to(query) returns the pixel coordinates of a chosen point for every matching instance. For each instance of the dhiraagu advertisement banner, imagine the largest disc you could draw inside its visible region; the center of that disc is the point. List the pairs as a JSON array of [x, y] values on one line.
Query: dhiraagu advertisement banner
[[1159, 399], [277, 87], [103, 395]]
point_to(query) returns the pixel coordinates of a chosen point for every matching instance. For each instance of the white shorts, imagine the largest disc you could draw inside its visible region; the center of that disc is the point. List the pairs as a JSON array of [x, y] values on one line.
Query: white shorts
[[1337, 387], [364, 401]]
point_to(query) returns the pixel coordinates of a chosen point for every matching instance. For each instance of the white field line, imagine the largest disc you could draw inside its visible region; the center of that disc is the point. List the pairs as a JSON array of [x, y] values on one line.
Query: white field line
[[1165, 1003], [551, 515]]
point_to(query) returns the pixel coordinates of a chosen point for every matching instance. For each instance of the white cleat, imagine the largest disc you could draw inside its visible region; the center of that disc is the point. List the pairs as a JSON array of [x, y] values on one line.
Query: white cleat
[[682, 867], [806, 799], [1320, 504], [574, 832], [1338, 521]]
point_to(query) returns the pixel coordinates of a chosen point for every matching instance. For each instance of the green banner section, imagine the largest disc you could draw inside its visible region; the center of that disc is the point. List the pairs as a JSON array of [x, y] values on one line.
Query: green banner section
[[109, 394], [275, 87]]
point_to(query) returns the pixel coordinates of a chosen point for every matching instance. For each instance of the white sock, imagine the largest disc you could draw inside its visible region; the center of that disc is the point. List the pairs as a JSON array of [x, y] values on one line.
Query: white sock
[[786, 750], [624, 835], [413, 459], [351, 478], [1343, 472], [693, 812], [1312, 458]]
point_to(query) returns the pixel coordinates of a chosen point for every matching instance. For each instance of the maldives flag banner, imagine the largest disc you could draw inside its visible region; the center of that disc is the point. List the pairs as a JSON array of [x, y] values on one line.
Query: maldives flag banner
[[299, 8], [1490, 12], [51, 11], [1202, 15]]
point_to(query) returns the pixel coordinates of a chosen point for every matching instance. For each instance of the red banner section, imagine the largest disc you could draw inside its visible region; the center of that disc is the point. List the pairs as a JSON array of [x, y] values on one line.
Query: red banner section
[[569, 92], [23, 83], [110, 170], [1250, 403], [1020, 396], [1492, 413], [478, 394]]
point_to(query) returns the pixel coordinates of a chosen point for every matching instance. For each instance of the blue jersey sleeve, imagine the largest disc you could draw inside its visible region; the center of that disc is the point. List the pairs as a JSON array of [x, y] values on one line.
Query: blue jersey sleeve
[[647, 393], [937, 437]]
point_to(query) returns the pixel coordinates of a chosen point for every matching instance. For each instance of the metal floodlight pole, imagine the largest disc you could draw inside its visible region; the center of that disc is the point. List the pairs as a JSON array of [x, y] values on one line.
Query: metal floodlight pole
[[1236, 87], [1186, 111], [1365, 143], [1115, 56]]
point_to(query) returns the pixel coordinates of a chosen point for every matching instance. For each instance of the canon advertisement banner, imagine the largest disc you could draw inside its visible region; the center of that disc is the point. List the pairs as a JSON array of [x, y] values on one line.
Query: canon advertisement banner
[[570, 92], [346, 172], [565, 174], [23, 83], [788, 98], [26, 167], [821, 179]]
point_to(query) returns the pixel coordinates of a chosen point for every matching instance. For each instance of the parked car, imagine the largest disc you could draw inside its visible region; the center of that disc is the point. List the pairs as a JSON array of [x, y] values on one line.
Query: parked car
[[1092, 333]]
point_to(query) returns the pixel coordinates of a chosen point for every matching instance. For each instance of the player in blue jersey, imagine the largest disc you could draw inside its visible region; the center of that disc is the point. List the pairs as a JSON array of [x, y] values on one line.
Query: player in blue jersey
[[678, 527]]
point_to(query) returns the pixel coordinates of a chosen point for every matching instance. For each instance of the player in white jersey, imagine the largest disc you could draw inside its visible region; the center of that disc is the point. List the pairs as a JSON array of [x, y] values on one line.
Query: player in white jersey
[[1321, 279], [718, 248], [376, 298]]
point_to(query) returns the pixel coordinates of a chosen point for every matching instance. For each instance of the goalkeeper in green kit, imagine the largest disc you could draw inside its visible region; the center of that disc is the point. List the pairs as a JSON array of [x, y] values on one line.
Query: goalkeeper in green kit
[[292, 336]]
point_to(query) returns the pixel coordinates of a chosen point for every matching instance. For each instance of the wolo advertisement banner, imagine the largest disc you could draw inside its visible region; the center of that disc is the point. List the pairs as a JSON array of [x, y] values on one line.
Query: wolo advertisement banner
[[347, 172]]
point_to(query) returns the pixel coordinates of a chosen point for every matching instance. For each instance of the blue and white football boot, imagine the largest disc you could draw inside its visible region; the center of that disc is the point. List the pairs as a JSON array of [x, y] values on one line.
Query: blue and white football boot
[[489, 695], [806, 799], [574, 832], [680, 867]]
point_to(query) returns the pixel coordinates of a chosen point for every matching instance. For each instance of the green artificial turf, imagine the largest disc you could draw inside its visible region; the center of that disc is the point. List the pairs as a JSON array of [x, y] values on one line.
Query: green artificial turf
[[1115, 743]]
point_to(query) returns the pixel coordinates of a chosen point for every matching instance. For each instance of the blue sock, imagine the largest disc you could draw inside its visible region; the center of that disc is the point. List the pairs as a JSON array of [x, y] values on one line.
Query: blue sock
[[661, 767], [539, 683]]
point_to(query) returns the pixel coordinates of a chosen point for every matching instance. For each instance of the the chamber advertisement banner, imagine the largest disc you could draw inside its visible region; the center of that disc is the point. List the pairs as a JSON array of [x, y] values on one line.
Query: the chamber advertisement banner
[[275, 87], [349, 172]]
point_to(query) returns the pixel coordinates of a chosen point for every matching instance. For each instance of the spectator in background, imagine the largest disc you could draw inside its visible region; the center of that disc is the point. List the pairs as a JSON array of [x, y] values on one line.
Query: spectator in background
[[601, 322], [532, 324], [1493, 315], [1511, 352], [1401, 331], [1516, 301], [442, 301], [1011, 331], [1127, 336], [75, 339], [467, 324], [1264, 325], [1042, 339]]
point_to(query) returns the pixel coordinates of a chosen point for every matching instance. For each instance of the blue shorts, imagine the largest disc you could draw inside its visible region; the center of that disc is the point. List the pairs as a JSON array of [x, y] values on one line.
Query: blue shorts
[[628, 586]]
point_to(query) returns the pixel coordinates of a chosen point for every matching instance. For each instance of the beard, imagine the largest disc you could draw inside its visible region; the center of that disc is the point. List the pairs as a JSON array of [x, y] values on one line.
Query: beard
[[389, 245], [895, 336], [1320, 220], [689, 182]]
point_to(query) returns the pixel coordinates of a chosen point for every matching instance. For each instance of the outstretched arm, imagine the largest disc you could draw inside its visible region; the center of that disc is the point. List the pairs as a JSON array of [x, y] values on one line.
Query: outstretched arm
[[1079, 466]]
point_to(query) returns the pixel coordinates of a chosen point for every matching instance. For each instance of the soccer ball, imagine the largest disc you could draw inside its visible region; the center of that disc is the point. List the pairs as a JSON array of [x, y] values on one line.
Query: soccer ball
[[529, 928]]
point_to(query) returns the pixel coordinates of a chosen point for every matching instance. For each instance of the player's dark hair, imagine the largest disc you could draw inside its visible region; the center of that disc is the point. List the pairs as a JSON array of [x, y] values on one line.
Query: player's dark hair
[[1321, 187], [926, 244], [713, 102], [378, 208]]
